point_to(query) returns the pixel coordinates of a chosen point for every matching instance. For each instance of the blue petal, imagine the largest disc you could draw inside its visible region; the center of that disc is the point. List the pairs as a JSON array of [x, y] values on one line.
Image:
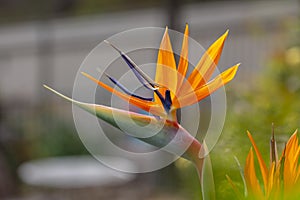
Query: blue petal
[[126, 90], [142, 76]]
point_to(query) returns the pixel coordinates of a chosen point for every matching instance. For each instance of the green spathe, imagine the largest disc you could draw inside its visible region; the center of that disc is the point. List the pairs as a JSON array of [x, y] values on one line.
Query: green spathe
[[169, 135]]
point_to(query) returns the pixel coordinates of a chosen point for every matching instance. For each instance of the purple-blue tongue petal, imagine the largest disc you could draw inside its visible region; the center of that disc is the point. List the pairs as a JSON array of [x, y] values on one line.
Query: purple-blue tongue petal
[[124, 89], [141, 76]]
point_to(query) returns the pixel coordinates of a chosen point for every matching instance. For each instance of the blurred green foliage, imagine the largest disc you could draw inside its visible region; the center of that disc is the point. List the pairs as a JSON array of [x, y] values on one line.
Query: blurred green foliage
[[41, 132]]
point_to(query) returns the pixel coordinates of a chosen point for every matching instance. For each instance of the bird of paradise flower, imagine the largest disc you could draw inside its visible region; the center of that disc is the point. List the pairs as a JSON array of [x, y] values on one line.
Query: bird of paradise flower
[[280, 180], [172, 91]]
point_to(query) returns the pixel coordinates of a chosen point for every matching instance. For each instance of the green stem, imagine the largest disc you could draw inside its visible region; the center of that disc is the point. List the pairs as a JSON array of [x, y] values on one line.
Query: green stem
[[203, 166]]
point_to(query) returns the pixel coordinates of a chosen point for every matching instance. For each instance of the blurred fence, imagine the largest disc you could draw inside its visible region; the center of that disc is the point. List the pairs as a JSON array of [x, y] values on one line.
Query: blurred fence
[[51, 51]]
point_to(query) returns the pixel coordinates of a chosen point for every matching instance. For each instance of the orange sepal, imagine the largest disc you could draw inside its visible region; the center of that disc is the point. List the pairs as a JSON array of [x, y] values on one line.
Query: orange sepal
[[183, 61], [166, 72], [206, 66], [250, 176], [148, 106], [206, 90], [262, 164]]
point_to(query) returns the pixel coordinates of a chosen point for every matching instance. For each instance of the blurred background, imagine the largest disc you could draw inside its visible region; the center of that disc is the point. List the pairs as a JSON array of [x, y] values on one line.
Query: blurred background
[[46, 41]]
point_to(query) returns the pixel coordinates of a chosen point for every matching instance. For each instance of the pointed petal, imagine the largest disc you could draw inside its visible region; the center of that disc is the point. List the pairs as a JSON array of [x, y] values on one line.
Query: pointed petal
[[148, 106], [183, 61], [291, 160], [250, 175], [206, 66], [270, 179], [292, 151], [280, 168], [207, 89], [262, 164], [103, 112], [277, 180], [166, 73]]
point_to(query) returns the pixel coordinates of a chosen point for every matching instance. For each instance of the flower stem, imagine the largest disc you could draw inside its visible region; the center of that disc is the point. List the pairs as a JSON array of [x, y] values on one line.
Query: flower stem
[[202, 163]]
